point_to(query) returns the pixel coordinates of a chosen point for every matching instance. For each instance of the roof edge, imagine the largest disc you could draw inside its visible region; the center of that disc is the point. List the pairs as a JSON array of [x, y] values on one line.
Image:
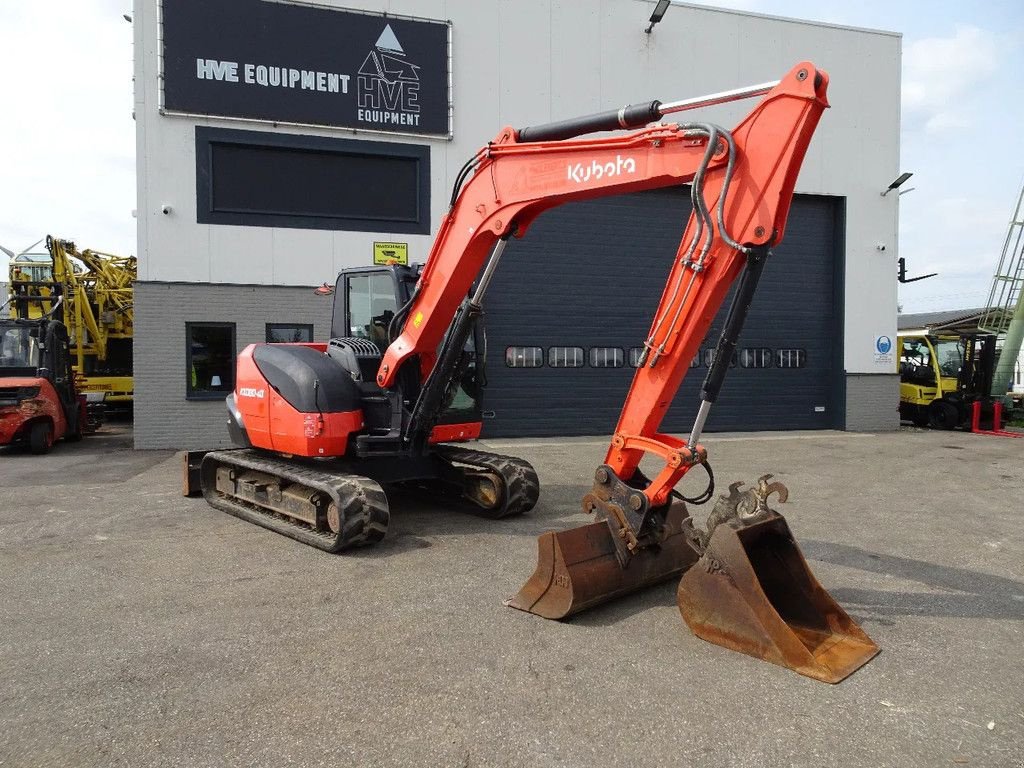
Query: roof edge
[[790, 19]]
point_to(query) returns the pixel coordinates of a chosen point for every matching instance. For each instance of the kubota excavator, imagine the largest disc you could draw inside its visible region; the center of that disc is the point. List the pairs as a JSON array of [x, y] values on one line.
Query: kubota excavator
[[324, 426]]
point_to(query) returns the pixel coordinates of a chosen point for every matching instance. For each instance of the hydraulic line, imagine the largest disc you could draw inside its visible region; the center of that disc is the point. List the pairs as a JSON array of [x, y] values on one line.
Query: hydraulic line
[[706, 495], [703, 219]]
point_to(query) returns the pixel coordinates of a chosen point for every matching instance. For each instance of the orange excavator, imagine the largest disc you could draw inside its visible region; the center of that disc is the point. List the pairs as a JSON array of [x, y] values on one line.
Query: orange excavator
[[323, 428]]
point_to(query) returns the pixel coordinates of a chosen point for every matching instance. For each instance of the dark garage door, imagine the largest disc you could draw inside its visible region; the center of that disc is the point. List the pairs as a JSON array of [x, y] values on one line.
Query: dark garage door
[[579, 291]]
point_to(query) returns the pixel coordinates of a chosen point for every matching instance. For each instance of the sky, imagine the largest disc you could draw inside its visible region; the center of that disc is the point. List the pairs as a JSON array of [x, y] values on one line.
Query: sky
[[68, 138]]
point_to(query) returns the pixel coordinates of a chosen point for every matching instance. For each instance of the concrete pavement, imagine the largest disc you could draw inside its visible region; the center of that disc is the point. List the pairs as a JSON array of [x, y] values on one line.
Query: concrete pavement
[[140, 628]]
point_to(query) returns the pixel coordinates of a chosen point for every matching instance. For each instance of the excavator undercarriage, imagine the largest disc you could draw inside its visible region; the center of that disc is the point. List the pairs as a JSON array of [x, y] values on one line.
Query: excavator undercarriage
[[335, 506]]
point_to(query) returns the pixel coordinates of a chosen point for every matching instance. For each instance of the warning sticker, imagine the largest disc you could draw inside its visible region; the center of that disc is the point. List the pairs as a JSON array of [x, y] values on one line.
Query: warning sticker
[[391, 253]]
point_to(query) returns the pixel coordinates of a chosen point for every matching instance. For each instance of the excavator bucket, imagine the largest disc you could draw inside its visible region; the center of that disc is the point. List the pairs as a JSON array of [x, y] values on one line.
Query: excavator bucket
[[746, 584], [578, 568], [753, 592]]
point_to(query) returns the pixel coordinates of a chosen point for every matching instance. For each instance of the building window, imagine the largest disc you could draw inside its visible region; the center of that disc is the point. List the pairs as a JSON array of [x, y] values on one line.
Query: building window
[[262, 179], [289, 333], [634, 358], [790, 358], [524, 357], [709, 359], [759, 357], [209, 360], [606, 357], [566, 357]]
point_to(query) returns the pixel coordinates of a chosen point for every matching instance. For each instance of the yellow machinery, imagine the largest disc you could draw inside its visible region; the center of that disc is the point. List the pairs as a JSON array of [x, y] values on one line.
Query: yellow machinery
[[942, 375], [97, 310]]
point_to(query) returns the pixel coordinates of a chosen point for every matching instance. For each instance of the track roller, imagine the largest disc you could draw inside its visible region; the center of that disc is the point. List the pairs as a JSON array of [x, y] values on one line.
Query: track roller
[[329, 511], [492, 485]]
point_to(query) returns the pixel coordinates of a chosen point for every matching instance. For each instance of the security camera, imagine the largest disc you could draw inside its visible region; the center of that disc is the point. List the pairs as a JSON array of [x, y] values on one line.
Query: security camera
[[166, 210], [880, 246]]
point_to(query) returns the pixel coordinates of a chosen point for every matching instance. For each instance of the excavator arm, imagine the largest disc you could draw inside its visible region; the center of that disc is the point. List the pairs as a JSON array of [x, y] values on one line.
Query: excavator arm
[[515, 180], [742, 184], [746, 584]]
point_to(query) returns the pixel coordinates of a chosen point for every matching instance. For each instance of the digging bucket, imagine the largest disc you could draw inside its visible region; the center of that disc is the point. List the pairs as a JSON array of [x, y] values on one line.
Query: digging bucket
[[577, 568], [753, 592]]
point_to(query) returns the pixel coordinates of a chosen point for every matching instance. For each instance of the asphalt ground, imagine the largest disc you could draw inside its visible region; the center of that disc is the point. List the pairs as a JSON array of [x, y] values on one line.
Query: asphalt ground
[[141, 628]]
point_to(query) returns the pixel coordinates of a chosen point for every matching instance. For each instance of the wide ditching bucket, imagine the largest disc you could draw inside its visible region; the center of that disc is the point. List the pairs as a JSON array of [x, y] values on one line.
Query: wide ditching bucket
[[578, 569], [752, 591]]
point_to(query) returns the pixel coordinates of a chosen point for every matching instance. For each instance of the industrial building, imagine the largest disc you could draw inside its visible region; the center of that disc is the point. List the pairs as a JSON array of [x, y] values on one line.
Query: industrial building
[[280, 142]]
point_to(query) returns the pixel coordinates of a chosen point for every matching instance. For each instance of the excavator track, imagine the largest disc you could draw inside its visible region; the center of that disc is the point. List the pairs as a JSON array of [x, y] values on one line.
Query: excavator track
[[327, 510], [516, 491]]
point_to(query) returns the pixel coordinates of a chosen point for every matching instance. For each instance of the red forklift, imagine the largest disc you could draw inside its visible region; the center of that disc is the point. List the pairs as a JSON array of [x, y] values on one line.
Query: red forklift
[[39, 402]]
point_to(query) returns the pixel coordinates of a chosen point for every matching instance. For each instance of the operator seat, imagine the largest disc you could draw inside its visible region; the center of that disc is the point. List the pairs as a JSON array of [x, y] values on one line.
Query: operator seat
[[383, 311]]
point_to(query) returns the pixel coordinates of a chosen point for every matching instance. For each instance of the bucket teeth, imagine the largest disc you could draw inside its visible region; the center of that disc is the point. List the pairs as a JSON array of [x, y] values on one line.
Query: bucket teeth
[[753, 592]]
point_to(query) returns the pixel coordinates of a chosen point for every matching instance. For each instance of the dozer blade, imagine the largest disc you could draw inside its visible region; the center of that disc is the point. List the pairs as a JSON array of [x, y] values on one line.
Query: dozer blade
[[578, 569], [753, 592]]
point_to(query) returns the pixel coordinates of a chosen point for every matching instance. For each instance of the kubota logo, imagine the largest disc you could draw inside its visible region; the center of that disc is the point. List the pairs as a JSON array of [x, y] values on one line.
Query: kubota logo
[[581, 173], [251, 392]]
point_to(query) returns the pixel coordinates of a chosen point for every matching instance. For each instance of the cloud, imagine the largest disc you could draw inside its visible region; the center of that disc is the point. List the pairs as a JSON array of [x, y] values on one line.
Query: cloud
[[67, 131], [938, 72]]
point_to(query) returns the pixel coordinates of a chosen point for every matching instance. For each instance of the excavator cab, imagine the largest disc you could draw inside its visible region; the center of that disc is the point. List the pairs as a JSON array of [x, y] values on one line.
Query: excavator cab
[[367, 301]]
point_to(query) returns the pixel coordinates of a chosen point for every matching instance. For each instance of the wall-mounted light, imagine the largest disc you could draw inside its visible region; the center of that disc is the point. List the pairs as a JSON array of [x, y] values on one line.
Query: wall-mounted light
[[658, 15], [900, 180]]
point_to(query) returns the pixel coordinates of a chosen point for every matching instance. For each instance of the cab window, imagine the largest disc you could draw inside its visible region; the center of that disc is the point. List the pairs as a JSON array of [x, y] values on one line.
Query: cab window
[[916, 362], [371, 305]]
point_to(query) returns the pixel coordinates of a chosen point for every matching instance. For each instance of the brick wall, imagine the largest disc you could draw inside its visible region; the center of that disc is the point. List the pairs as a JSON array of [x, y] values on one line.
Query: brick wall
[[163, 417], [872, 402]]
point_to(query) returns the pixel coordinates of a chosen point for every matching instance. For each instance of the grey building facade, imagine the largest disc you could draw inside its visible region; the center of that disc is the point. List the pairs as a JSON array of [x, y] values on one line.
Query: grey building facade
[[237, 208]]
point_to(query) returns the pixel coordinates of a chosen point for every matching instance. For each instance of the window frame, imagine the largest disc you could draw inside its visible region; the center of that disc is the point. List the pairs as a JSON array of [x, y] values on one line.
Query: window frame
[[707, 358], [206, 137], [369, 274], [618, 361], [191, 394], [268, 327], [757, 357], [540, 355], [582, 356], [801, 358]]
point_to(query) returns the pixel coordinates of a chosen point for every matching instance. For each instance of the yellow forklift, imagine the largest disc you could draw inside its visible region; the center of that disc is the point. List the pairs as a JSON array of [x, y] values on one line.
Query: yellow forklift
[[942, 376]]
